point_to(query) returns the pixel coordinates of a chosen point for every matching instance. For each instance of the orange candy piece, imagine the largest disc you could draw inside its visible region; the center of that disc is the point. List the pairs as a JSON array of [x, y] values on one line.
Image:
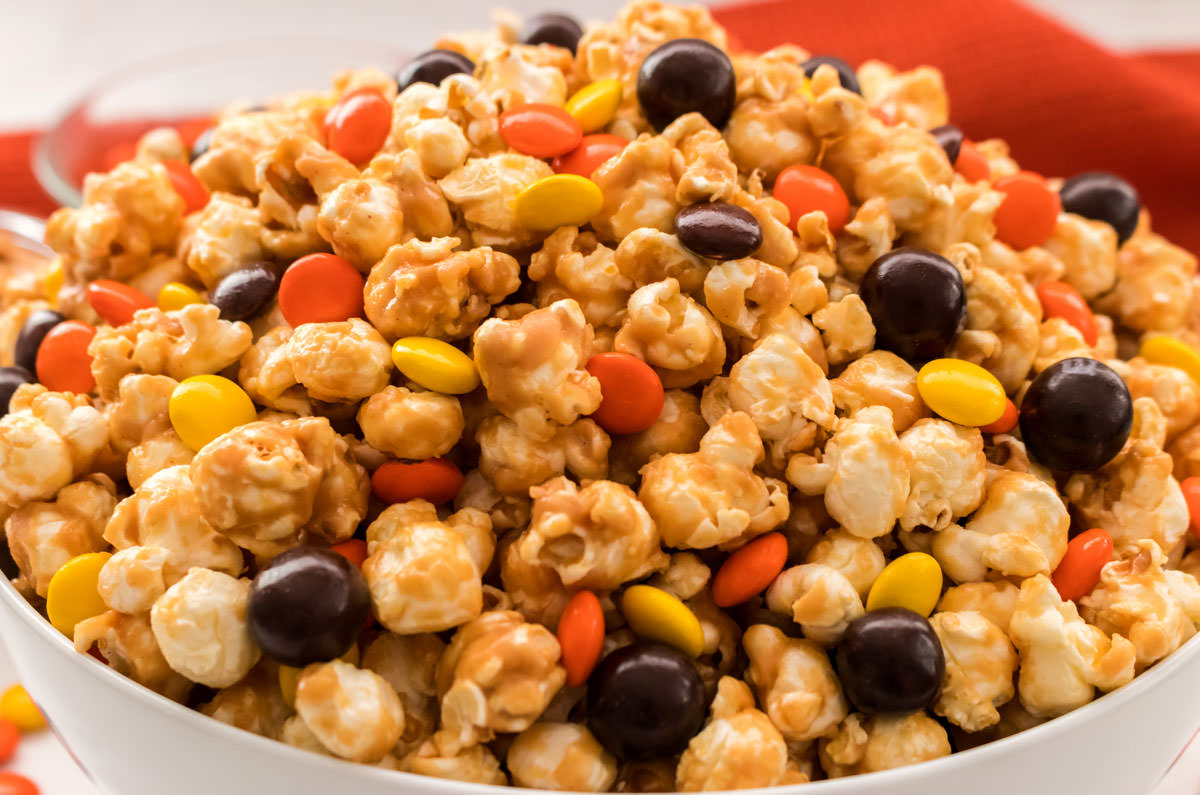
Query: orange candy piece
[[359, 125], [434, 479], [971, 163], [593, 151], [16, 784], [320, 288], [1007, 421], [749, 570], [631, 392], [1060, 299], [1029, 212], [116, 302], [1191, 495], [1079, 570], [187, 185], [63, 363], [540, 130], [805, 189], [581, 636], [10, 738], [353, 550]]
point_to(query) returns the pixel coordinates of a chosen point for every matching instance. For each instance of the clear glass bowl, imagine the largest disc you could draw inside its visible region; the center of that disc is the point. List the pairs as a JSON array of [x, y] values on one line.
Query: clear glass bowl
[[185, 89]]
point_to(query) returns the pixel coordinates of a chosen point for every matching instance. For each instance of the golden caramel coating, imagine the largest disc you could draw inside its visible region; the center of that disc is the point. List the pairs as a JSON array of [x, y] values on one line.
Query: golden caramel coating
[[980, 662], [708, 173], [560, 756], [672, 333], [880, 378], [678, 429], [517, 74], [947, 478], [408, 424], [154, 455], [576, 265], [846, 329], [475, 764], [738, 749], [254, 704], [513, 459], [995, 600], [647, 255], [819, 598], [200, 624], [1088, 252], [867, 744], [224, 237], [484, 190], [1059, 340], [353, 713], [139, 411], [1177, 395], [132, 579], [1154, 284], [742, 294], [1001, 333], [128, 644], [639, 187], [409, 664], [268, 485], [713, 497], [916, 96], [293, 177], [795, 683], [236, 143], [860, 560]]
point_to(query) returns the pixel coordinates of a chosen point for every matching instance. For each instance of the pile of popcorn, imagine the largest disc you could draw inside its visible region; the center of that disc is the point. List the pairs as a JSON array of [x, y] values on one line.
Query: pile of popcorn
[[780, 415]]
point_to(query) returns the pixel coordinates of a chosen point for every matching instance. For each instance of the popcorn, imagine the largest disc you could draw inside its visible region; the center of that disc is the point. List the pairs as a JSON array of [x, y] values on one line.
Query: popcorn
[[407, 424], [795, 683], [867, 744], [353, 713], [739, 748], [980, 662], [43, 536], [672, 333], [560, 756]]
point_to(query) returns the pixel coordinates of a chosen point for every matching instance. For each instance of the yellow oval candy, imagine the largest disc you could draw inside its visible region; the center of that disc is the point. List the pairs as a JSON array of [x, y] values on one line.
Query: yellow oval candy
[[913, 581], [176, 295], [53, 282], [1173, 353], [435, 365], [205, 406], [289, 678], [594, 105], [961, 392], [806, 90], [72, 595], [656, 614], [17, 706], [560, 200]]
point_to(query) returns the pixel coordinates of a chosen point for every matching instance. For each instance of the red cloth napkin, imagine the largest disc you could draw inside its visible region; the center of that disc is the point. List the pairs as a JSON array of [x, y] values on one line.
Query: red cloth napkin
[[1065, 104]]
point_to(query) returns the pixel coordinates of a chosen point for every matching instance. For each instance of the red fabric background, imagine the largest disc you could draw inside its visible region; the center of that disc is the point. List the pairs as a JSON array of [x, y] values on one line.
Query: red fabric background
[[1064, 103]]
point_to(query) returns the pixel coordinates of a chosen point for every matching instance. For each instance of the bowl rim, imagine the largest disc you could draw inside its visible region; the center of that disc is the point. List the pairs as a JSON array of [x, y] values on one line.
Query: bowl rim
[[1105, 704], [29, 231]]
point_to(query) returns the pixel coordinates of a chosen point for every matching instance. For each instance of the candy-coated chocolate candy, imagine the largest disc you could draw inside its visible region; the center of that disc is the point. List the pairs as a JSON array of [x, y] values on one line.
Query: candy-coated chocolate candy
[[435, 364], [749, 570], [307, 605], [15, 784], [657, 615], [203, 407], [17, 707], [1161, 349], [10, 738], [63, 363], [972, 163], [917, 302], [357, 126], [1076, 415], [37, 325], [718, 230], [631, 392], [557, 29], [558, 200], [686, 76], [846, 74], [1191, 495], [434, 66], [594, 105], [890, 660], [53, 283], [961, 391], [73, 594], [320, 288], [202, 144], [1061, 300], [1029, 212], [244, 293], [950, 138], [592, 152], [436, 480], [540, 130], [912, 581], [1007, 421], [11, 379], [645, 701], [1079, 570], [1103, 197], [187, 185], [116, 302], [353, 550], [581, 636], [176, 295], [805, 189]]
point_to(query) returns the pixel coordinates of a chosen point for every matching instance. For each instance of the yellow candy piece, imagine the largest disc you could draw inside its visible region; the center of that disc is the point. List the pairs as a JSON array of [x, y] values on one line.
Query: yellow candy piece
[[435, 365], [560, 200], [175, 295], [806, 90], [656, 614], [1172, 353], [289, 678], [72, 595], [594, 105], [913, 581], [53, 283], [18, 707], [205, 406], [961, 392]]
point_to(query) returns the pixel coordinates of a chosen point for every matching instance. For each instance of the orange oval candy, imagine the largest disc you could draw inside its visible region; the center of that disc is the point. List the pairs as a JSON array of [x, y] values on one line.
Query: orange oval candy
[[10, 738], [1079, 570], [358, 125], [190, 189], [116, 302], [1060, 299], [1029, 212], [353, 550], [540, 130], [581, 636], [1191, 495], [16, 784], [320, 288], [749, 570], [971, 163], [63, 363], [805, 189], [631, 392], [1007, 421], [593, 151], [434, 479]]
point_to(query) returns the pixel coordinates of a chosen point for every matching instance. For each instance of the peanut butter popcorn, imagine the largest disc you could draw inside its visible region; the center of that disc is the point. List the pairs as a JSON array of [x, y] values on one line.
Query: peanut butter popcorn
[[1088, 252], [425, 574], [353, 713], [867, 744], [916, 96], [995, 600], [860, 560], [768, 130], [678, 429], [639, 187], [229, 164], [575, 265], [819, 598], [475, 764], [743, 293], [513, 459], [846, 329], [560, 756], [672, 333], [484, 190], [1001, 333], [1154, 284], [42, 536], [224, 237], [128, 643], [980, 662], [648, 255], [408, 424], [947, 478], [880, 378], [738, 749], [409, 664], [254, 704], [1175, 392], [795, 683], [132, 579], [708, 173]]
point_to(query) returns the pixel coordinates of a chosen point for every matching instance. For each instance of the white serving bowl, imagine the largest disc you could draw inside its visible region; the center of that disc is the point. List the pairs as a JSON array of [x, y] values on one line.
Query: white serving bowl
[[132, 741]]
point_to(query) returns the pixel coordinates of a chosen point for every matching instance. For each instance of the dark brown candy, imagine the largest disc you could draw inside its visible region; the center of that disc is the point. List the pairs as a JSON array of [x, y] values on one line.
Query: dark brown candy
[[686, 76], [434, 66], [245, 292], [846, 75], [917, 302], [560, 30], [890, 660], [1076, 415], [950, 138], [1103, 197], [10, 379], [36, 327], [718, 230]]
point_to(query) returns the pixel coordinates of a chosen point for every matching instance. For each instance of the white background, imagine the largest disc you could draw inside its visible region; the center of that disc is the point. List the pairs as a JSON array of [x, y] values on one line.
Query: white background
[[51, 50]]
